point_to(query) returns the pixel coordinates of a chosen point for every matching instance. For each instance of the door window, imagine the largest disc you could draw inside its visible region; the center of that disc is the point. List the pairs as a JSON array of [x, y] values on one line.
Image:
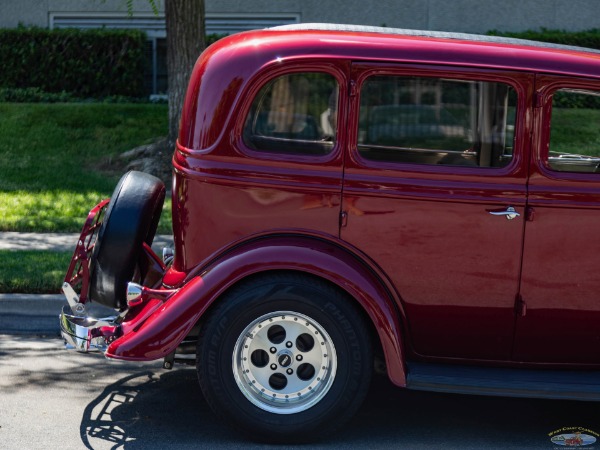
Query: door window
[[575, 131], [437, 121]]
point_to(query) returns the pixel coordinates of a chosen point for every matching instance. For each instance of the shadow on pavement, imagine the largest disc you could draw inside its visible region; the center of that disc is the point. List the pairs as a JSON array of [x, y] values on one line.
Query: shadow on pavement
[[155, 409]]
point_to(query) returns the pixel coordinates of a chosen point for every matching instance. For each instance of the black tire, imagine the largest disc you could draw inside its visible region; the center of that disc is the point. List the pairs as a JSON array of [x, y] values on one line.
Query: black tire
[[239, 390], [131, 219]]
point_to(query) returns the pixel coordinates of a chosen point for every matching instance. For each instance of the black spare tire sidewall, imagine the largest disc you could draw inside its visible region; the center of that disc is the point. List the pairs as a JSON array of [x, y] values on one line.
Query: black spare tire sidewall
[[130, 220]]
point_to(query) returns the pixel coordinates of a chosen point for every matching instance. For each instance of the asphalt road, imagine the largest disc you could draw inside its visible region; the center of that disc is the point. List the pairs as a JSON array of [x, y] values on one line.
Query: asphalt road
[[52, 398]]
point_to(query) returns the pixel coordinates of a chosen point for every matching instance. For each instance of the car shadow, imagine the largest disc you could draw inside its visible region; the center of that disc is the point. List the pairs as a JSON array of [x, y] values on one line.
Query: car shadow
[[156, 409]]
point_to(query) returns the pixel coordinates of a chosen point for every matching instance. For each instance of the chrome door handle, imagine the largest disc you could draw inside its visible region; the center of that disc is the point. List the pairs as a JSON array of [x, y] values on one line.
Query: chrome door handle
[[510, 213]]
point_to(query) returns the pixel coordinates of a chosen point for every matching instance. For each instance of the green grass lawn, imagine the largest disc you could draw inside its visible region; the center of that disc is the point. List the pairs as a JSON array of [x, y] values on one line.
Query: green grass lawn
[[57, 160], [575, 131], [37, 272]]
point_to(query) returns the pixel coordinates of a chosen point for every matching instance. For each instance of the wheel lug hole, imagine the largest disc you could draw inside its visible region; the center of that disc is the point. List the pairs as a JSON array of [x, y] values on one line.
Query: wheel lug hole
[[289, 344], [298, 357], [273, 366], [289, 371], [273, 350]]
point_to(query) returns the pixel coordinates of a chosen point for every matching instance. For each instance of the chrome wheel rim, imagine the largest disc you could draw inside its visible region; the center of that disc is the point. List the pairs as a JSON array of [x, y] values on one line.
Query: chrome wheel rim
[[284, 362]]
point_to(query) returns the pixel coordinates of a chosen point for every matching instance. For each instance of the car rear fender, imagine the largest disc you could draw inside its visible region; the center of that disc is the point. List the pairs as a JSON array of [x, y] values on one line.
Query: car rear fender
[[164, 329]]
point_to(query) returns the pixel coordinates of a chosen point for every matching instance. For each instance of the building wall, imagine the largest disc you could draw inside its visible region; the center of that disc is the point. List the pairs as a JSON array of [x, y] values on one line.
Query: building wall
[[38, 12], [476, 16]]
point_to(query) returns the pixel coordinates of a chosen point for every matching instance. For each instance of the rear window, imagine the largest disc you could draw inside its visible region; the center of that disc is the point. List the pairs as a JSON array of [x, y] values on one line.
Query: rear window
[[294, 114]]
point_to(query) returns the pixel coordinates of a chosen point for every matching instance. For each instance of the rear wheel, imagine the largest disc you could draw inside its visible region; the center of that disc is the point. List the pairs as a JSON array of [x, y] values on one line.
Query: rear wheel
[[285, 358], [131, 219]]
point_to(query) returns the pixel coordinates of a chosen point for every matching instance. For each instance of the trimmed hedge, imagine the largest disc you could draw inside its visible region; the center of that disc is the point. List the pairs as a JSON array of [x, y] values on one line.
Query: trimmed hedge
[[70, 62], [34, 95], [588, 38]]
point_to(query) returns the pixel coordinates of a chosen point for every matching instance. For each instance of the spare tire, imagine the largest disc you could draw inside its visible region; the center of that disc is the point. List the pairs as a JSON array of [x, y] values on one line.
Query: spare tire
[[131, 219]]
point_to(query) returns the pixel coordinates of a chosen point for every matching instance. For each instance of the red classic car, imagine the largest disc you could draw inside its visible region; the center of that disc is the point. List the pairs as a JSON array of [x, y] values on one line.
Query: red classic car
[[344, 195]]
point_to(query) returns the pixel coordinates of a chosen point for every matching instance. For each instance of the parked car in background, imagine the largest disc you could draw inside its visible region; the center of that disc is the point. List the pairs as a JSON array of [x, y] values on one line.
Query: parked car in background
[[344, 195]]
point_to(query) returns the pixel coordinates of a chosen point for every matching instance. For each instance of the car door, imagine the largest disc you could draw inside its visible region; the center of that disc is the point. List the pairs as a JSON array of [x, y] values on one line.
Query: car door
[[561, 281], [434, 194]]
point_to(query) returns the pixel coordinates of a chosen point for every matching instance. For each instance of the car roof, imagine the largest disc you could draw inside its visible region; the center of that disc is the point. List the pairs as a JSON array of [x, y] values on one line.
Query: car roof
[[430, 34], [367, 43]]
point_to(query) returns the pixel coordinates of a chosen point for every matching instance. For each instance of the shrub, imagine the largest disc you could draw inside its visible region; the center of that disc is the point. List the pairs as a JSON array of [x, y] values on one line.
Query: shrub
[[214, 37], [588, 38], [78, 63], [34, 95]]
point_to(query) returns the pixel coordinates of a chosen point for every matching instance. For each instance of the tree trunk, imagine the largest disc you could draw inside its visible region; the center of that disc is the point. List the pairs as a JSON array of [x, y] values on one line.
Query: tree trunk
[[185, 42]]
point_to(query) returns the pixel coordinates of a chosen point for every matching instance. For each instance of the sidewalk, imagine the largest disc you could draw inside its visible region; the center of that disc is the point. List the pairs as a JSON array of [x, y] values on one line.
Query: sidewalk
[[59, 242]]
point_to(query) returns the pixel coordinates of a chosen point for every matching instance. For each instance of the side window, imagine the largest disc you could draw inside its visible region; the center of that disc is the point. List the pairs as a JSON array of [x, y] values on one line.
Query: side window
[[294, 114], [436, 121], [575, 131]]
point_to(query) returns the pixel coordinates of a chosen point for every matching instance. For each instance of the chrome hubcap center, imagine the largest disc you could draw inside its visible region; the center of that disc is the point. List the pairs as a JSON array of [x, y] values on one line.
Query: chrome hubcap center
[[285, 358]]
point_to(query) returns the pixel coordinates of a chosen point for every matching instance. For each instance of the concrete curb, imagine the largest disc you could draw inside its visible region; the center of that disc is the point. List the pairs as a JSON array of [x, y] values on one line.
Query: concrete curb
[[31, 304], [38, 313], [30, 314]]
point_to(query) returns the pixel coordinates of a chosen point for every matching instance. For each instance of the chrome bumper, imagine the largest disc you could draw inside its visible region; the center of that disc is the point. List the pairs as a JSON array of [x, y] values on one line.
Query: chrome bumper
[[85, 334]]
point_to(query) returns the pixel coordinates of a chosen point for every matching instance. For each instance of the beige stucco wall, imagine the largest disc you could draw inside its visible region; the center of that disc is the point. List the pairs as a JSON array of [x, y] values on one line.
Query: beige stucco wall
[[444, 15]]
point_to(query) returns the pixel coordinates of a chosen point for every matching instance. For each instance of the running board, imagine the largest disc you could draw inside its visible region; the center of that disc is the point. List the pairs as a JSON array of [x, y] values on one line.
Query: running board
[[505, 382]]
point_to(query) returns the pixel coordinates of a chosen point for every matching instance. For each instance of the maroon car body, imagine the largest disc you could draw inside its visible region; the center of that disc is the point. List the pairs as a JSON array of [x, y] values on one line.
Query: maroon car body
[[437, 139]]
